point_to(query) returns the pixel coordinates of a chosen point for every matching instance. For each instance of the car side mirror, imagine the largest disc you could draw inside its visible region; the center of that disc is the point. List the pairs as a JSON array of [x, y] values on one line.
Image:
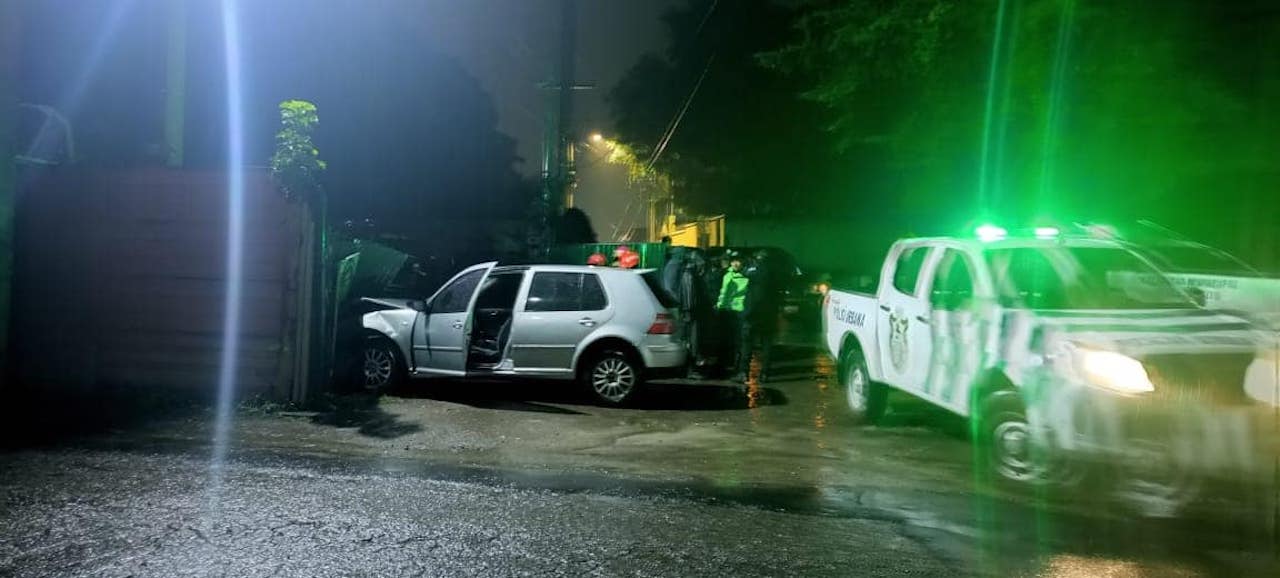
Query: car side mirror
[[418, 305]]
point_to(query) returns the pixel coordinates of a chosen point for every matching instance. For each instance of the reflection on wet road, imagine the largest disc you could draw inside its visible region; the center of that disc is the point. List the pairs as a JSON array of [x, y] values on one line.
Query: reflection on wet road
[[762, 478]]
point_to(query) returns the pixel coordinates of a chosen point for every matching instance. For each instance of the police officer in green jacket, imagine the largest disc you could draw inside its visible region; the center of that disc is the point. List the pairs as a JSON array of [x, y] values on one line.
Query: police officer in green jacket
[[732, 302]]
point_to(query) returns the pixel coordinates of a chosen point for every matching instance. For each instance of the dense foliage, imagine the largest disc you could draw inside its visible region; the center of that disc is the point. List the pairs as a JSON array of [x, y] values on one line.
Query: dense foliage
[[745, 144], [573, 226], [296, 164], [941, 111]]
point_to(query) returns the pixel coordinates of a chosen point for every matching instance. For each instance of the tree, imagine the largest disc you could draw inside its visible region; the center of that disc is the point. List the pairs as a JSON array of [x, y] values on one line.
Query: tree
[[1090, 110], [740, 140], [573, 227], [296, 164]]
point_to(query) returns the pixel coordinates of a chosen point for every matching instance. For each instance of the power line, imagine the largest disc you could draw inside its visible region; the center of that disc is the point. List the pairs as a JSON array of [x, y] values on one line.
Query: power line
[[626, 212], [675, 122], [706, 17]]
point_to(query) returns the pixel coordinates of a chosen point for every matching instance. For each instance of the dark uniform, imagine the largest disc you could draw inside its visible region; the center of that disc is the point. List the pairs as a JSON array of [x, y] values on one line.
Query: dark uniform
[[671, 270], [759, 318], [715, 344], [693, 304]]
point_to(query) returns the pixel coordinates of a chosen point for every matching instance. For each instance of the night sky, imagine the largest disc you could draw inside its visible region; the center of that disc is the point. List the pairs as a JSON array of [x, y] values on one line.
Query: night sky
[[510, 46]]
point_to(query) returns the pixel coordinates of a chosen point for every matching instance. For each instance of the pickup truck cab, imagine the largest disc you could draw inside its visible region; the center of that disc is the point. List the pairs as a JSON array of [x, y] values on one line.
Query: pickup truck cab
[[609, 328], [1058, 348], [1223, 281]]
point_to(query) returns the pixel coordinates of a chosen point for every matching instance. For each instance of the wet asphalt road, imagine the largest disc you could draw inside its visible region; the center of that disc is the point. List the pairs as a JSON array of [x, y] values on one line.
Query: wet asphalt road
[[701, 479]]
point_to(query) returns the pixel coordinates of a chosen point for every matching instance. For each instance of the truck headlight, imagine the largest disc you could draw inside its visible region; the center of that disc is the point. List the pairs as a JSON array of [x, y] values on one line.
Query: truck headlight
[[1115, 372]]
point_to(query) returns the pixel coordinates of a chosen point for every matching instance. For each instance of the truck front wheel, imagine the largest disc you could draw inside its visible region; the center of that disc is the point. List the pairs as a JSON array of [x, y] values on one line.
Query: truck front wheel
[[1004, 442], [867, 400]]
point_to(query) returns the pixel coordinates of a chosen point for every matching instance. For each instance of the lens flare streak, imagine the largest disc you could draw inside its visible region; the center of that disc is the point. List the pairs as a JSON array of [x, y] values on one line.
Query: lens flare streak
[[989, 110], [235, 248]]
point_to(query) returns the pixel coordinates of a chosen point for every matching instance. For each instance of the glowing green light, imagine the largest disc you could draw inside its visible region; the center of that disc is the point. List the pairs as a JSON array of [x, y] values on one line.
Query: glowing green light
[[1047, 232], [990, 233]]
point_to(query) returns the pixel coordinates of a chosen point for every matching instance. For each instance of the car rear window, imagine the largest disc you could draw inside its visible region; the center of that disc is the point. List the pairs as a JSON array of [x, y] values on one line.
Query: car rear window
[[555, 291], [655, 287], [907, 271], [593, 297]]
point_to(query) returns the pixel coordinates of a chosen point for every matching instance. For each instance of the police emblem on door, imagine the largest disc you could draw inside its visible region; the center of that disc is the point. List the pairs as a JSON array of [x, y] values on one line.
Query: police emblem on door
[[898, 342]]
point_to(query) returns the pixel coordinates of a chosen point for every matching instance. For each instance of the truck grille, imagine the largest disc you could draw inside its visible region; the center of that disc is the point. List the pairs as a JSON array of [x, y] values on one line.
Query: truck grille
[[1212, 378]]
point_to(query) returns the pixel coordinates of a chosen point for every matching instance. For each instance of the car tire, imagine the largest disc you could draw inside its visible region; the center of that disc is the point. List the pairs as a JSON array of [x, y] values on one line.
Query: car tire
[[1004, 442], [378, 367], [612, 377], [1155, 488], [866, 400]]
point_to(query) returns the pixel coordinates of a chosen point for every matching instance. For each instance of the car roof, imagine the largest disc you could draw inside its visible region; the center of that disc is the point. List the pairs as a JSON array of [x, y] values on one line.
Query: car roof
[[567, 269], [1070, 241]]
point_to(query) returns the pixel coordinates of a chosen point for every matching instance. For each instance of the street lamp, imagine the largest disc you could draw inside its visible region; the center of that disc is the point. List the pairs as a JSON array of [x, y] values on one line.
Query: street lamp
[[597, 138]]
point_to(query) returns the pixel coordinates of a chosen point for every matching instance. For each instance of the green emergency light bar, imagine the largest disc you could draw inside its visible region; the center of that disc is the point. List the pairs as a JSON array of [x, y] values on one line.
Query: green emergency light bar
[[988, 233], [1047, 232]]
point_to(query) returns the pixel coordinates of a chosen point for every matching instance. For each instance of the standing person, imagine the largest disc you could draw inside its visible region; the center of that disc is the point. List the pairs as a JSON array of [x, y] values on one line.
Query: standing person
[[760, 316], [732, 301], [713, 325], [671, 271], [693, 305]]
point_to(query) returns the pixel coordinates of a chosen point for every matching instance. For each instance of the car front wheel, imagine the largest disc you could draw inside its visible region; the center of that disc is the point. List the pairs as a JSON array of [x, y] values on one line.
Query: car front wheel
[[1005, 441], [380, 367], [612, 377]]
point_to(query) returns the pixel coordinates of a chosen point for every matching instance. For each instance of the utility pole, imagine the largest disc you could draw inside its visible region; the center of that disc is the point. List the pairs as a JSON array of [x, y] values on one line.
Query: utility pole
[[568, 50], [9, 46], [559, 170], [175, 93]]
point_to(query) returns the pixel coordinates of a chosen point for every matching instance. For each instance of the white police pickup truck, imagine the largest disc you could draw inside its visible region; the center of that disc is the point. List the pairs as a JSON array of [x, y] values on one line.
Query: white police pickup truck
[[1053, 352]]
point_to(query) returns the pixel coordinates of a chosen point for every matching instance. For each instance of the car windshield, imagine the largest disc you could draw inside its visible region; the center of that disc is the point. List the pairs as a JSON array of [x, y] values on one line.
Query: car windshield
[[1080, 278], [1197, 260]]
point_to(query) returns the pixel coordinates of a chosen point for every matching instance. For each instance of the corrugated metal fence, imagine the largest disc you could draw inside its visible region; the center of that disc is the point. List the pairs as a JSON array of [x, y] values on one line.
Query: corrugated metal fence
[[120, 279]]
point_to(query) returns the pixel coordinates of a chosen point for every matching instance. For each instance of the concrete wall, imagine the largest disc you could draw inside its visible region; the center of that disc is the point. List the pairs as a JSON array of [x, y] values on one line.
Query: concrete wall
[[120, 280]]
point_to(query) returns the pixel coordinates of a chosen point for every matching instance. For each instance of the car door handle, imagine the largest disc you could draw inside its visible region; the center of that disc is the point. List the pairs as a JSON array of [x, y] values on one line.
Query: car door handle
[[884, 307], [922, 319], [585, 322], [457, 324]]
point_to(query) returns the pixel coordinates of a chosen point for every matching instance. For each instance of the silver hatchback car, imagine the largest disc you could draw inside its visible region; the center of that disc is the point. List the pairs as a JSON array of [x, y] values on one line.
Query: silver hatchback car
[[609, 328]]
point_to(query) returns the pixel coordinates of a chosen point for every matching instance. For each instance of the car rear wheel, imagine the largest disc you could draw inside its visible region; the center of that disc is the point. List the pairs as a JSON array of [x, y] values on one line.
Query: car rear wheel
[[612, 377], [380, 367], [867, 400]]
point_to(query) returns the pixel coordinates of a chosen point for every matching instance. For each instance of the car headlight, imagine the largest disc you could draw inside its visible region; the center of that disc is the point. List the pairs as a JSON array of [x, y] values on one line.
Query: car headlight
[[1115, 372]]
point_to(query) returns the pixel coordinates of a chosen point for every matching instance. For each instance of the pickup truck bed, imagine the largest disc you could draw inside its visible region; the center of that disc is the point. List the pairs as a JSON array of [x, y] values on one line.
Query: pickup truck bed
[[848, 315]]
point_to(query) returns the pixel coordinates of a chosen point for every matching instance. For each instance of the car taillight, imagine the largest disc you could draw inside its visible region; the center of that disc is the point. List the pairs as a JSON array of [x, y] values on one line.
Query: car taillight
[[663, 324]]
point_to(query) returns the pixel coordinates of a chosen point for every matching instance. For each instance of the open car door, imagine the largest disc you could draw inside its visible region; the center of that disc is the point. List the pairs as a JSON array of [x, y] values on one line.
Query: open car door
[[441, 337]]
